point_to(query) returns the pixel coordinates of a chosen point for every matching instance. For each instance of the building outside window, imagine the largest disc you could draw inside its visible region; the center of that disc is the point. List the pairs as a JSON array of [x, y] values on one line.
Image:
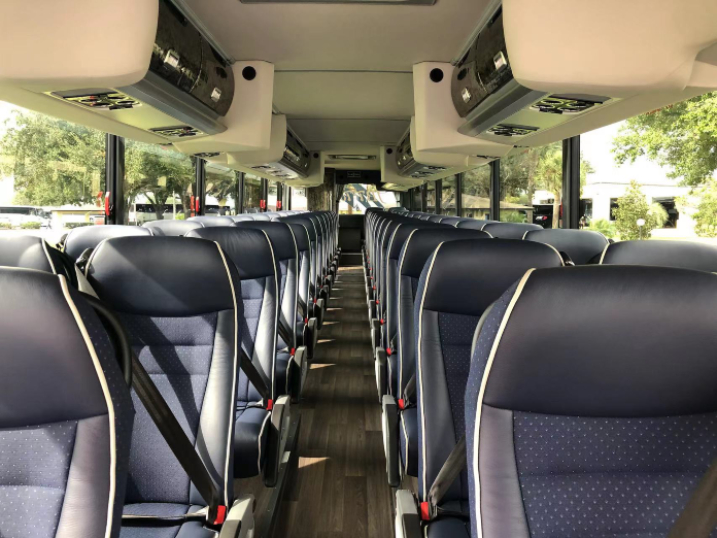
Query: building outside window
[[430, 197], [357, 198]]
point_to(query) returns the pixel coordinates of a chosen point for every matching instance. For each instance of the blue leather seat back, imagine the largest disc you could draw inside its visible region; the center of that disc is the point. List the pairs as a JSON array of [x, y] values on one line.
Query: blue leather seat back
[[80, 239], [458, 283], [678, 254], [583, 246], [452, 221], [509, 230], [320, 246], [172, 227], [286, 256], [308, 225], [30, 252], [417, 250], [435, 218], [303, 242], [596, 416], [65, 413], [180, 302], [473, 224], [251, 252]]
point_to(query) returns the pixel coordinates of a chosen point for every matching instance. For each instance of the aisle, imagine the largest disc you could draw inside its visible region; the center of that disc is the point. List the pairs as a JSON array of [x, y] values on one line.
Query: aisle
[[340, 488]]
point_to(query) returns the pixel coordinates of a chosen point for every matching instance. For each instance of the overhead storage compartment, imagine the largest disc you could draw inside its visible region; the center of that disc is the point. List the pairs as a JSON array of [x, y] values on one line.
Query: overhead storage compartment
[[495, 105], [286, 159], [151, 70]]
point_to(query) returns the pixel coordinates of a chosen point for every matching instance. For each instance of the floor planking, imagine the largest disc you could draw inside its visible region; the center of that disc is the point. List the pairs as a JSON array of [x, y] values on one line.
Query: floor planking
[[339, 488]]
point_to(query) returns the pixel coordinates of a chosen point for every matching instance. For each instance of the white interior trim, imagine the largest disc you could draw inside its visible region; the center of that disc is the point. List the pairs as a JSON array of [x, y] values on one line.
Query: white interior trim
[[228, 488], [481, 394], [108, 399]]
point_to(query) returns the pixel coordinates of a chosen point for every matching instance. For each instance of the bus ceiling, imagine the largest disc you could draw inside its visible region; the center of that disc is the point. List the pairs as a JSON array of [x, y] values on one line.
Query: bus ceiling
[[405, 91]]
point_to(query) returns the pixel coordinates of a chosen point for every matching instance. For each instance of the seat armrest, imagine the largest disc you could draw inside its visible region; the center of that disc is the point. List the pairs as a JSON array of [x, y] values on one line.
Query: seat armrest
[[389, 425], [298, 373], [375, 332], [240, 519], [319, 311], [278, 432], [408, 520]]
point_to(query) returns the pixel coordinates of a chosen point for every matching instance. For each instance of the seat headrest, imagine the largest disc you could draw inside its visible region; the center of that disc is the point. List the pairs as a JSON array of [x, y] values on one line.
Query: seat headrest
[[172, 227], [301, 235], [403, 233], [473, 224], [452, 221], [45, 345], [607, 342], [304, 221], [280, 235], [581, 245], [467, 276], [209, 221], [260, 216], [423, 241], [679, 254], [249, 249], [80, 239], [161, 276], [242, 218], [509, 230], [27, 251]]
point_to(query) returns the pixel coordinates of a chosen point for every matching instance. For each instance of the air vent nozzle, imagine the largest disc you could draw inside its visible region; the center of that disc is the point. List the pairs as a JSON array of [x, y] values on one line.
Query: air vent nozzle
[[180, 131], [511, 130]]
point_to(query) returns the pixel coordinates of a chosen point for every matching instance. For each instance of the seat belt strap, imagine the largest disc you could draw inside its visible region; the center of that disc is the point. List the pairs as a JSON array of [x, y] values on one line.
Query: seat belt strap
[[452, 468], [699, 517], [178, 442], [286, 334], [256, 377], [410, 391]]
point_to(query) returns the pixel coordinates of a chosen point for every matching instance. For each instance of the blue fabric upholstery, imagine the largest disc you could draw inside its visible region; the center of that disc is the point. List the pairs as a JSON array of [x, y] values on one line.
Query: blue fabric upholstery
[[250, 438], [191, 529], [408, 431]]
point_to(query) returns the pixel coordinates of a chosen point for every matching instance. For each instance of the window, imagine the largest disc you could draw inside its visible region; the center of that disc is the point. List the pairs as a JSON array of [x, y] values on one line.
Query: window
[[222, 185], [531, 184], [298, 198], [653, 176], [448, 196], [158, 183], [274, 188], [475, 196], [52, 173], [252, 193], [357, 198], [430, 197]]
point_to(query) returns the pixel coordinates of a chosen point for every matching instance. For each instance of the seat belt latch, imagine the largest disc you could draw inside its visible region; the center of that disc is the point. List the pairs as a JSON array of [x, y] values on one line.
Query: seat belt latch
[[425, 511], [269, 404], [401, 404], [221, 515], [293, 351], [389, 351]]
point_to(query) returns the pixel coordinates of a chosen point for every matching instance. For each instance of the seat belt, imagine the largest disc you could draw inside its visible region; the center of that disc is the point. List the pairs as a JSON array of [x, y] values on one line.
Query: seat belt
[[287, 335], [408, 393], [257, 378], [699, 517], [166, 423], [452, 468]]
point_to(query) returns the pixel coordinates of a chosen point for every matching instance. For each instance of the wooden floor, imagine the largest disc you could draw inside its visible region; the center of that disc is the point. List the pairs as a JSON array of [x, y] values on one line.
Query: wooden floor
[[339, 488]]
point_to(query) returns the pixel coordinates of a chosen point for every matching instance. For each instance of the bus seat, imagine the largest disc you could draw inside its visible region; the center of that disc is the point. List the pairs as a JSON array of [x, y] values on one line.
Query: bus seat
[[255, 442], [66, 414], [458, 284], [303, 247], [582, 246], [88, 237], [183, 320], [172, 227], [291, 362], [32, 252], [509, 230], [679, 254], [452, 221], [628, 430]]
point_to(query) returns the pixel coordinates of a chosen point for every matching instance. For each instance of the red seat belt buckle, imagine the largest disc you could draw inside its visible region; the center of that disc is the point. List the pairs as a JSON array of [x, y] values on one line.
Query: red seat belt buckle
[[221, 515], [293, 351], [382, 321], [389, 351], [401, 404], [306, 321], [269, 404], [425, 512]]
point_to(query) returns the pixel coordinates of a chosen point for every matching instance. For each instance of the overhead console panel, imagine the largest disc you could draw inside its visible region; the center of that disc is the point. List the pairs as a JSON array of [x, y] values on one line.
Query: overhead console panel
[[495, 105], [152, 71], [286, 159]]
